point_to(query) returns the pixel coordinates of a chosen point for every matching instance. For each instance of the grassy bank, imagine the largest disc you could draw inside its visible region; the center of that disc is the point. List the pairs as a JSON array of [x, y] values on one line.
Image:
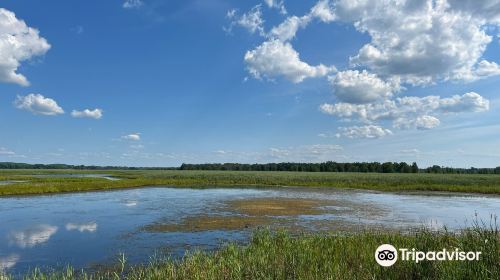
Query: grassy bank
[[341, 256], [488, 184]]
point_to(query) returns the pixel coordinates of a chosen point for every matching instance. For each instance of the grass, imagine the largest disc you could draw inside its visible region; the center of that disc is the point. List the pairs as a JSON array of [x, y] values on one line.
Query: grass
[[280, 255], [487, 184]]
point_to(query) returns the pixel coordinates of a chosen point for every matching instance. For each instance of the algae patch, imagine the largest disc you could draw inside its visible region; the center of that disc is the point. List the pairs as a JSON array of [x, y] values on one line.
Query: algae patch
[[205, 223], [277, 206]]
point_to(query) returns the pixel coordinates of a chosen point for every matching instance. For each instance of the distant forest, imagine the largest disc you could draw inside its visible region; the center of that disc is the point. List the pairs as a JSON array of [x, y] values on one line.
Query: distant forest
[[15, 165], [329, 166]]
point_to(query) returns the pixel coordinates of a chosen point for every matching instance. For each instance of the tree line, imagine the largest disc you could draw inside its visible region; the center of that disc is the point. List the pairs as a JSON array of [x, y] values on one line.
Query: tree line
[[329, 166], [16, 165]]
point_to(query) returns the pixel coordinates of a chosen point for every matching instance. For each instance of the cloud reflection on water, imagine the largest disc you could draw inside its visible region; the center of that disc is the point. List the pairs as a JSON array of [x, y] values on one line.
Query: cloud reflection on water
[[8, 262], [32, 236], [90, 227]]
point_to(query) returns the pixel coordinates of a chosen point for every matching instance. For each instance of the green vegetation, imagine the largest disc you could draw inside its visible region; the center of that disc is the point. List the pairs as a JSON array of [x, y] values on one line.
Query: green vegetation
[[469, 183], [318, 256], [329, 166]]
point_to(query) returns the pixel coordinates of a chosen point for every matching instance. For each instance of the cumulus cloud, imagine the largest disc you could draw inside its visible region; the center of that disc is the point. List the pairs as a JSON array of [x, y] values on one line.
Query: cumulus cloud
[[409, 111], [469, 102], [361, 87], [275, 58], [87, 113], [38, 105], [33, 236], [411, 42], [251, 20], [18, 43], [276, 4], [421, 122], [286, 30], [131, 4], [323, 10], [90, 227], [485, 69], [367, 131], [484, 10], [132, 137], [420, 41]]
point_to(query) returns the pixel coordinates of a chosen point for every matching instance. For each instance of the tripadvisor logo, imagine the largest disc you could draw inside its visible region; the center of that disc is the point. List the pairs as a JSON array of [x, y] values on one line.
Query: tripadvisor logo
[[387, 255]]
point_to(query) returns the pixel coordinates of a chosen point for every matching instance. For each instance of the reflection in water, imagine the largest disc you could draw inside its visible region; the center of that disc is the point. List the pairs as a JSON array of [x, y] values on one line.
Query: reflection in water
[[33, 236], [90, 227], [82, 229], [103, 176], [8, 262], [131, 203]]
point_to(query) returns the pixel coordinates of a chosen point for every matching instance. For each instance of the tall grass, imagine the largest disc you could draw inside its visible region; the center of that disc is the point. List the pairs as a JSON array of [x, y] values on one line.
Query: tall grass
[[318, 256], [489, 184]]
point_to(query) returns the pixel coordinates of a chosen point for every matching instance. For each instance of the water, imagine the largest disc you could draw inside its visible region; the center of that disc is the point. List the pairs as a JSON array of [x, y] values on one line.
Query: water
[[10, 182], [86, 229], [104, 176]]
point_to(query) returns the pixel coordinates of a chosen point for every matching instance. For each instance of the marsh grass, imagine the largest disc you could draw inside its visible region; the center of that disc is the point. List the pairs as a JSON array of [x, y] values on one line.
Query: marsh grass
[[280, 255], [487, 184]]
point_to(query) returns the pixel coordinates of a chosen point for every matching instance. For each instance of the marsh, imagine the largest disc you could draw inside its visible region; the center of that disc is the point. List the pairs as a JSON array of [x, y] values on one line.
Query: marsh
[[86, 229]]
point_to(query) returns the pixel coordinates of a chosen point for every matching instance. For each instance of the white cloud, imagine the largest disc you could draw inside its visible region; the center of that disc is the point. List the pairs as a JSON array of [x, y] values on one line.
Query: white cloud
[[367, 131], [361, 87], [323, 10], [485, 69], [90, 227], [6, 152], [87, 113], [288, 28], [277, 4], [132, 137], [469, 102], [275, 58], [420, 41], [409, 111], [18, 43], [316, 152], [484, 10], [38, 105], [131, 4], [421, 122], [33, 236], [137, 147], [302, 153], [251, 20]]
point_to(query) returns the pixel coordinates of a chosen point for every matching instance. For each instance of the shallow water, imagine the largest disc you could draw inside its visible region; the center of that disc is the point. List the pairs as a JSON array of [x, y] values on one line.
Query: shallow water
[[85, 229], [10, 182], [104, 176]]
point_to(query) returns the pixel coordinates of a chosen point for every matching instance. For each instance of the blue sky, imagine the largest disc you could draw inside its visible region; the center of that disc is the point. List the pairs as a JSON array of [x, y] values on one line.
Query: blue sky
[[166, 82]]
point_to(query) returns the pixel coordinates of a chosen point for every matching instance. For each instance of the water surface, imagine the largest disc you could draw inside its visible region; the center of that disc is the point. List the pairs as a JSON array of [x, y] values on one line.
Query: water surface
[[69, 175], [85, 229]]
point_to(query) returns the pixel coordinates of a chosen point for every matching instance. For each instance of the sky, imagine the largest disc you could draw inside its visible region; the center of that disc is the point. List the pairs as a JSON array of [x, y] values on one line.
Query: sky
[[165, 82]]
